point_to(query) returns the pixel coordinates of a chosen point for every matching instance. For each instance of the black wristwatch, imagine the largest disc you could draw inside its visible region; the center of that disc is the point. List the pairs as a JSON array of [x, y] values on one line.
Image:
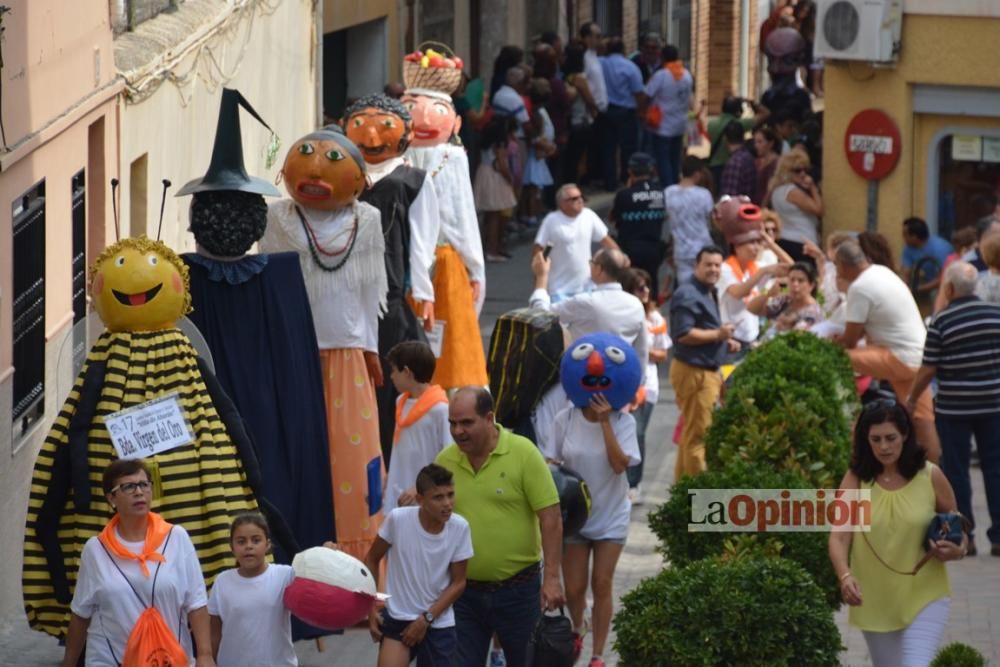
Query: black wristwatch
[[429, 617]]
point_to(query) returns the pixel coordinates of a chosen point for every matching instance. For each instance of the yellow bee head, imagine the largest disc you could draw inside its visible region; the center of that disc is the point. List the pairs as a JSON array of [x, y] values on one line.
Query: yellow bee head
[[139, 285]]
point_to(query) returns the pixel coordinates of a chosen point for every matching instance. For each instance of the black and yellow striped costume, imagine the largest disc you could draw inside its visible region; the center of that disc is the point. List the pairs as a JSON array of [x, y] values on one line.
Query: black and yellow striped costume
[[204, 484]]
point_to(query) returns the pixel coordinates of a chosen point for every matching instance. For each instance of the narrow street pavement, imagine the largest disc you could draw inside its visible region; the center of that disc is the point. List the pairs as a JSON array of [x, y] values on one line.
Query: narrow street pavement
[[975, 611]]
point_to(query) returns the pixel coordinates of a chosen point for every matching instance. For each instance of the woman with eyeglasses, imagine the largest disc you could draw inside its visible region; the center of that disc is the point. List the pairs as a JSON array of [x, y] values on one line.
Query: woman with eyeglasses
[[797, 200], [137, 561], [901, 614]]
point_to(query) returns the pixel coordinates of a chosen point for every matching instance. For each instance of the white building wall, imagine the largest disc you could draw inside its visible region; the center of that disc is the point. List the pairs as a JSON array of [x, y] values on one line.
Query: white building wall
[[275, 70]]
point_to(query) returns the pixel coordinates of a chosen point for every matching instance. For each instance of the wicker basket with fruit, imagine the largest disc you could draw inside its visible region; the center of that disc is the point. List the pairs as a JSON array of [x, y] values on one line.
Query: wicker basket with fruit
[[433, 68]]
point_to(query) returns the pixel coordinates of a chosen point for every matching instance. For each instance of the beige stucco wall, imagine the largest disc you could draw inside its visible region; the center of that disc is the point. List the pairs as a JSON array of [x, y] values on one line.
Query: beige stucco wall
[[58, 81], [945, 50], [175, 127]]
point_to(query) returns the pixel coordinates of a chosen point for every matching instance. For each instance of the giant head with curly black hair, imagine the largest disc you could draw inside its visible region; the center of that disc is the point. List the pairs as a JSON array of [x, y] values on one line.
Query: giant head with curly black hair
[[227, 222], [380, 126]]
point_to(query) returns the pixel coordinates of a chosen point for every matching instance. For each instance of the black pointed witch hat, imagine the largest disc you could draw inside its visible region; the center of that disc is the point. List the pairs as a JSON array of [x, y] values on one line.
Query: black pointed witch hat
[[226, 171]]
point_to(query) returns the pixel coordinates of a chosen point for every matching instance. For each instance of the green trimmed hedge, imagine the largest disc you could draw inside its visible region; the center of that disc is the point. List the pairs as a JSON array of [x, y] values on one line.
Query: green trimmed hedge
[[791, 405], [957, 654], [669, 523], [747, 611]]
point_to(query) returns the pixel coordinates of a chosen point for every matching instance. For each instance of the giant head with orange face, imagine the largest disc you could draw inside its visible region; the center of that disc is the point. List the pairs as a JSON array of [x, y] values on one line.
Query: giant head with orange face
[[324, 170], [379, 126], [434, 117], [139, 285]]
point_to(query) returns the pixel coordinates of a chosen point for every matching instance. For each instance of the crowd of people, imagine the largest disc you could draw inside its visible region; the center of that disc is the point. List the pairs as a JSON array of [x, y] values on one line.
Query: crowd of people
[[386, 235]]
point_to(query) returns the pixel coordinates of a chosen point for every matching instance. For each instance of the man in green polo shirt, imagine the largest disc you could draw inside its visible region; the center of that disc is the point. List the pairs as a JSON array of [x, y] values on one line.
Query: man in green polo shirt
[[504, 489]]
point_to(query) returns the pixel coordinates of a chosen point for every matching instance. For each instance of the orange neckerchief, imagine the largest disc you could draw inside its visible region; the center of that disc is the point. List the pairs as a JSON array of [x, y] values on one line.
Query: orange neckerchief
[[431, 397], [734, 264], [156, 531], [676, 68]]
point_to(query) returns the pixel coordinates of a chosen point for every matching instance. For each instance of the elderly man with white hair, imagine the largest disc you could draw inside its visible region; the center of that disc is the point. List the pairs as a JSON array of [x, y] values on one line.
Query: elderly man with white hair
[[568, 233], [963, 352]]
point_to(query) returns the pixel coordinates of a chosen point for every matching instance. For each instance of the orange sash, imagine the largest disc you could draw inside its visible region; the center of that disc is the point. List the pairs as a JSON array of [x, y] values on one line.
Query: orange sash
[[431, 397], [676, 67], [156, 531]]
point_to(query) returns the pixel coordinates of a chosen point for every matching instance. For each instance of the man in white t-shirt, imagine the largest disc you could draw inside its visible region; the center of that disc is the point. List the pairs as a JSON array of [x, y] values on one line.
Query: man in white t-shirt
[[429, 547], [881, 310], [570, 233]]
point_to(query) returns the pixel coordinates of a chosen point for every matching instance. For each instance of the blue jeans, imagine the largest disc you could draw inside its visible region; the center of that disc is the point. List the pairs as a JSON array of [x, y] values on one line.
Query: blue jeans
[[436, 649], [956, 445], [510, 612], [642, 415], [667, 153]]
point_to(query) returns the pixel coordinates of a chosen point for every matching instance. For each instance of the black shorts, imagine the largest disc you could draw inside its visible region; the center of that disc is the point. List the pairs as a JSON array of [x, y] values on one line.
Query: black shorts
[[437, 649]]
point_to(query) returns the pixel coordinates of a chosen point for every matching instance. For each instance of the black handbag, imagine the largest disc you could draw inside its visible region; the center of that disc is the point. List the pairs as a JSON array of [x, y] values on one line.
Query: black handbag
[[552, 642], [943, 526], [947, 526]]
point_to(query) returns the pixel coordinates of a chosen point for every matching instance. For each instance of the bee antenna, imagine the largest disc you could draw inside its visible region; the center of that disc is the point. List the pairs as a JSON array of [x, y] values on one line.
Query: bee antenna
[[163, 202], [114, 207]]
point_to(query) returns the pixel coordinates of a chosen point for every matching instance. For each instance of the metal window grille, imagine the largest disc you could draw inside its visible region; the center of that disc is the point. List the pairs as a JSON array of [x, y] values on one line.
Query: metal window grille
[[608, 15], [29, 308]]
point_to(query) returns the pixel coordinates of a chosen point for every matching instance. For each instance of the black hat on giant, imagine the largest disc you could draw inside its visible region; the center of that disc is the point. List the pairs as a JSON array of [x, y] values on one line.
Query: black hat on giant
[[226, 171]]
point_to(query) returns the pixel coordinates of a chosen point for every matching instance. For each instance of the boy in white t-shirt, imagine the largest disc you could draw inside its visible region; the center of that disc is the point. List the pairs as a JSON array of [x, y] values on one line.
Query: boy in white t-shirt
[[421, 421], [429, 548]]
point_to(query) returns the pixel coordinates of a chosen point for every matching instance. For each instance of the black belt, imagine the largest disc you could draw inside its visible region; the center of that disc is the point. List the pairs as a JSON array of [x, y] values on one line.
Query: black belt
[[524, 576]]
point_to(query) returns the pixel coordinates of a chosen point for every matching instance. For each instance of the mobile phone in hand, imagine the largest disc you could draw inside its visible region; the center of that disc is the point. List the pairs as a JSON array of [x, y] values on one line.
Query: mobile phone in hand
[[547, 251]]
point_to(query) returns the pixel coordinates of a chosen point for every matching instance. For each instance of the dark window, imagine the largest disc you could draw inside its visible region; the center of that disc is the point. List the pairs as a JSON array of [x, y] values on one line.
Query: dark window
[[79, 207], [79, 215], [608, 15], [28, 212], [438, 24], [650, 17]]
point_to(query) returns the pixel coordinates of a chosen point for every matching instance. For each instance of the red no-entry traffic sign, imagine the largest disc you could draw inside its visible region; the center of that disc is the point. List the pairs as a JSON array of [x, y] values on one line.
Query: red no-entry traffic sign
[[872, 143]]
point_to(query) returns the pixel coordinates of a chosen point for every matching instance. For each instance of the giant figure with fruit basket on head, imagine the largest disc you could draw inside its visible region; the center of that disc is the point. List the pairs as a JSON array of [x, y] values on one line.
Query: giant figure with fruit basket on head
[[431, 76]]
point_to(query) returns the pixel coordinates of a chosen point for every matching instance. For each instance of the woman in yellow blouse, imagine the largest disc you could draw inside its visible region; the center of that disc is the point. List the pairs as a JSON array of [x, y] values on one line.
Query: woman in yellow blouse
[[902, 615]]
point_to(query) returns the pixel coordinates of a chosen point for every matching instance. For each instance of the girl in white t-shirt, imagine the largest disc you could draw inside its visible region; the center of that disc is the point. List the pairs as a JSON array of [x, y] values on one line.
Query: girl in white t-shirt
[[658, 343], [600, 444], [250, 624]]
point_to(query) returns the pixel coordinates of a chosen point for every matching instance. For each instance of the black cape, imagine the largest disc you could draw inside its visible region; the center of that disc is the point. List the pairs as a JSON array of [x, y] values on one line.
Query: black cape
[[392, 196]]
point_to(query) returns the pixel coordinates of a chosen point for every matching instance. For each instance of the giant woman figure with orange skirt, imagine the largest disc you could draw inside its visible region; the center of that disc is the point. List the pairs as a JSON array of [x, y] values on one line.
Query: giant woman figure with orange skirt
[[340, 245], [459, 270]]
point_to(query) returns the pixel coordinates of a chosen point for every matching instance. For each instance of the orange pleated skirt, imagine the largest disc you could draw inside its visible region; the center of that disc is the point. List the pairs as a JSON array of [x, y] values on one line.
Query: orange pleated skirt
[[462, 360], [355, 451]]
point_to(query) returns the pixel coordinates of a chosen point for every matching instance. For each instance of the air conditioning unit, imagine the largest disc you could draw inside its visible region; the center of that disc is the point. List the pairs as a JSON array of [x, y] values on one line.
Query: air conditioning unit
[[858, 29]]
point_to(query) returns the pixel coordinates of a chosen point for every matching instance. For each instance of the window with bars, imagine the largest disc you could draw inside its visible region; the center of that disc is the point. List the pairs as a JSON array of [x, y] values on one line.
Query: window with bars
[[28, 212], [608, 15], [79, 285]]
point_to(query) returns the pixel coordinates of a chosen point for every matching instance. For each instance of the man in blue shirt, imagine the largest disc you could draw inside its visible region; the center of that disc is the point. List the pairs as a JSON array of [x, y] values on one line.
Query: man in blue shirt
[[930, 252], [623, 79], [700, 345]]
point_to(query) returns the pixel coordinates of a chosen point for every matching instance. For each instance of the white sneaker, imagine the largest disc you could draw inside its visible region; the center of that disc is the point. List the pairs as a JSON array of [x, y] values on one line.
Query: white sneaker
[[635, 495]]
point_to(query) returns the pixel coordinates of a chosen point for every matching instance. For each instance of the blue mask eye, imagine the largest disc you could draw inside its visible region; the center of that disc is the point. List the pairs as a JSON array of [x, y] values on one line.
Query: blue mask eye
[[582, 351], [617, 355]]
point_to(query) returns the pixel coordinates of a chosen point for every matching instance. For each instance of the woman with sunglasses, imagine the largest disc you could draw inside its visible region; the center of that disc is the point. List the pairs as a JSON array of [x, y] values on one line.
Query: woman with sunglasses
[[137, 561], [795, 197], [901, 614]]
